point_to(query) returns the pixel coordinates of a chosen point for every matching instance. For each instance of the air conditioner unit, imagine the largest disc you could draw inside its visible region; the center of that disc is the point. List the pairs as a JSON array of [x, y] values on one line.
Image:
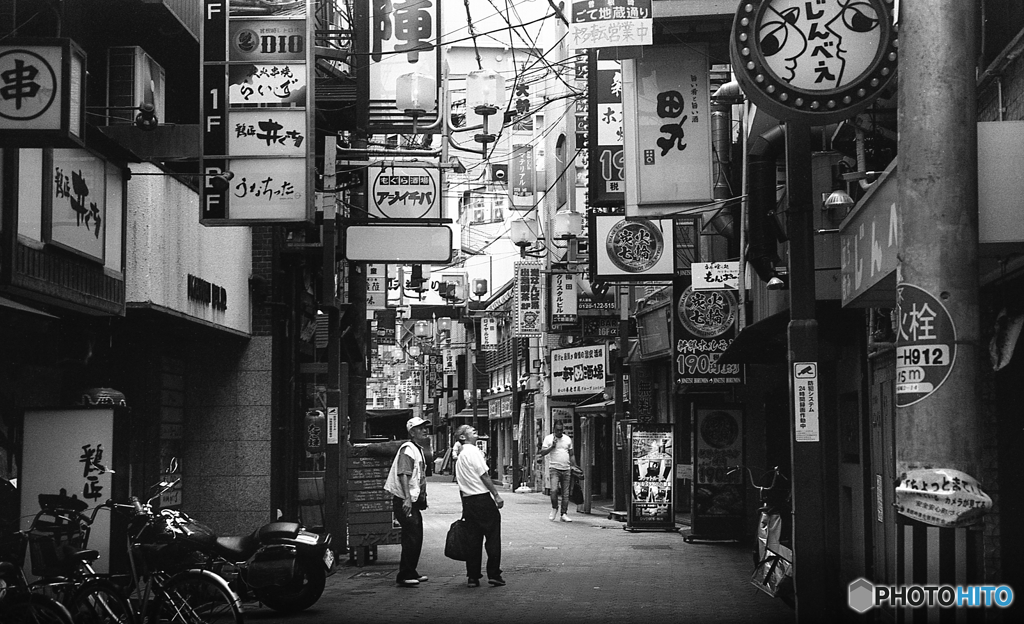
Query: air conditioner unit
[[133, 78]]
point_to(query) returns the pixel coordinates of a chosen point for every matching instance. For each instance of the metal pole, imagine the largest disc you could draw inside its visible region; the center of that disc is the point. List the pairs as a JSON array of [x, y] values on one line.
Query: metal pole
[[938, 223], [810, 565], [619, 456], [333, 477]]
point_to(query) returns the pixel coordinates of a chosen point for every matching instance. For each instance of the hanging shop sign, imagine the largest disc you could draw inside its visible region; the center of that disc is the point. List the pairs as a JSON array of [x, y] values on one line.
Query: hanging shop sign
[[386, 320], [611, 23], [397, 244], [718, 491], [563, 298], [651, 504], [667, 129], [376, 286], [78, 202], [716, 275], [401, 191], [818, 63], [704, 327], [42, 87], [489, 333], [604, 129], [528, 298], [630, 249], [522, 180], [397, 38], [256, 114], [925, 344], [578, 370]]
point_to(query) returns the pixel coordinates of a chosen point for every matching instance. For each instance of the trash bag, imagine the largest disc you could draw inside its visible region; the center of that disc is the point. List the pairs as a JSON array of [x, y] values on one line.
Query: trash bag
[[576, 492]]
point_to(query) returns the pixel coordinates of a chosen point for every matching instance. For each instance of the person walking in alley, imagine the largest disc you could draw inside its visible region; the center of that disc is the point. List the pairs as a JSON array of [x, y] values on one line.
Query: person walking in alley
[[480, 508], [407, 482], [558, 447]]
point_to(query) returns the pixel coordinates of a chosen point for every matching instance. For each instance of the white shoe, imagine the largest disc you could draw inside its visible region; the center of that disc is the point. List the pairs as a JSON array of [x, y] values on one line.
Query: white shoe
[[553, 515], [566, 518]]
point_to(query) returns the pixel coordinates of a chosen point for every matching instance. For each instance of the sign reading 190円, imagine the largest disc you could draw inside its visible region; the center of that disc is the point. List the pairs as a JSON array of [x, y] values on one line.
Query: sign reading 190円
[[925, 344]]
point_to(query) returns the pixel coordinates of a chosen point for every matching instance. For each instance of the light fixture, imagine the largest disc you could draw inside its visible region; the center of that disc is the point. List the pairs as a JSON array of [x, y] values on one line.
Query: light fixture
[[568, 224], [444, 323], [485, 93], [414, 350], [479, 287], [421, 329], [416, 95], [839, 201], [775, 283], [523, 233]]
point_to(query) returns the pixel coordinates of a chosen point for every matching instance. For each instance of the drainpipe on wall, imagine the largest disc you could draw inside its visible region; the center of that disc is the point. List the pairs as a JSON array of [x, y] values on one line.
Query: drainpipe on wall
[[765, 233]]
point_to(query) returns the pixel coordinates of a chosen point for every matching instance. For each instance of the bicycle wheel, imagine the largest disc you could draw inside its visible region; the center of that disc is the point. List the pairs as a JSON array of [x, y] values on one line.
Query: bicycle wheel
[[99, 601], [34, 609], [197, 597]]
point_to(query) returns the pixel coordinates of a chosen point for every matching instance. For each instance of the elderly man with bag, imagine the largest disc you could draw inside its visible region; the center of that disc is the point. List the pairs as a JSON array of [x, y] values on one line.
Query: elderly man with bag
[[480, 508]]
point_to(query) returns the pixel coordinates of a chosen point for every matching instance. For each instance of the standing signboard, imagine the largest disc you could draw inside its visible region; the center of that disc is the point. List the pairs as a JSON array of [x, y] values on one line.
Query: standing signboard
[[718, 489], [651, 504]]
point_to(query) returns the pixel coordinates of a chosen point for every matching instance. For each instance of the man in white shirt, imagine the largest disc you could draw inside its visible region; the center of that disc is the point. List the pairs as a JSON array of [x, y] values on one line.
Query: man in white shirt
[[407, 482], [557, 446], [480, 505]]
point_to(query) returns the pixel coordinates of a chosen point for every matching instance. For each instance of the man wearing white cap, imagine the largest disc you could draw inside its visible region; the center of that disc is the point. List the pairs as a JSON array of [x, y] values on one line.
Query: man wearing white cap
[[407, 482]]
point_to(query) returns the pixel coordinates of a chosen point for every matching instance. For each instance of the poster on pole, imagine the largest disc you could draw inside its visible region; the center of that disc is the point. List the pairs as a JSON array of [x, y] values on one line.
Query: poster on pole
[[650, 497]]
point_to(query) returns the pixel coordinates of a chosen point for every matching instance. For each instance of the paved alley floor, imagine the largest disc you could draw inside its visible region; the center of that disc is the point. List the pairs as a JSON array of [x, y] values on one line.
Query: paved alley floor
[[590, 570]]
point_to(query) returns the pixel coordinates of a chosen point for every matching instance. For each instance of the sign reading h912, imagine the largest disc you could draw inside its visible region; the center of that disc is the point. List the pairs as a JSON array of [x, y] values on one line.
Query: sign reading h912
[[925, 344]]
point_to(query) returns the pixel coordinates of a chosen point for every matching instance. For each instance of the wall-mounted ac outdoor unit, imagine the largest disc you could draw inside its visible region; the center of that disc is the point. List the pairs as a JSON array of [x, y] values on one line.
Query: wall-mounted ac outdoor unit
[[133, 78]]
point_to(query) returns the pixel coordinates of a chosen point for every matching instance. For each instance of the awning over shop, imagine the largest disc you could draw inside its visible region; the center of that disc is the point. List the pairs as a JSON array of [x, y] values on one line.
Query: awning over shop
[[764, 342], [600, 407], [10, 304]]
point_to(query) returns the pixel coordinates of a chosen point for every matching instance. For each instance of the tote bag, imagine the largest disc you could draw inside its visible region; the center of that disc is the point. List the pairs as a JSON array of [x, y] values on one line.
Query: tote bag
[[456, 545]]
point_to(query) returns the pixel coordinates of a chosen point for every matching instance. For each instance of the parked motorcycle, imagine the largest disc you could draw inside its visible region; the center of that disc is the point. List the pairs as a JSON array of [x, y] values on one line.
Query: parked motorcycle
[[280, 564]]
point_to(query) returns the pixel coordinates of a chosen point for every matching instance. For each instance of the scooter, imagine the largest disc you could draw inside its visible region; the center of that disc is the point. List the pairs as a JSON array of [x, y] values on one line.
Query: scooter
[[280, 564]]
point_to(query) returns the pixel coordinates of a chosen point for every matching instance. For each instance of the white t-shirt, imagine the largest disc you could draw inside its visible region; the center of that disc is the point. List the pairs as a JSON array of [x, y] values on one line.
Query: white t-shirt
[[558, 458], [409, 460], [470, 466]]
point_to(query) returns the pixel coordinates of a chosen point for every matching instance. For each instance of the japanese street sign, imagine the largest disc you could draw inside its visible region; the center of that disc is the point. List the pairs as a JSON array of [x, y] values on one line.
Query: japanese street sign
[[42, 82], [605, 133], [611, 23], [820, 63], [716, 275], [400, 191], [563, 298], [805, 390], [925, 344], [528, 299], [704, 327], [521, 185], [376, 286], [578, 370], [78, 202], [667, 126], [489, 333]]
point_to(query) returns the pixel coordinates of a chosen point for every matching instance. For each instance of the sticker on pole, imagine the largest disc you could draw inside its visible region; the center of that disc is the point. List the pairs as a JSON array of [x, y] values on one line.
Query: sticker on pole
[[805, 404], [942, 497], [925, 344]]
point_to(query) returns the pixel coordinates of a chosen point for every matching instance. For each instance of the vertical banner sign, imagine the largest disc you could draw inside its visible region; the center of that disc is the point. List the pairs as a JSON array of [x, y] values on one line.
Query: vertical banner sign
[[405, 38], [256, 113], [448, 364], [522, 185], [376, 286], [527, 299], [563, 298], [611, 23], [386, 320], [651, 504], [718, 490], [605, 132], [642, 402], [704, 325], [805, 389], [489, 333], [925, 344], [667, 126]]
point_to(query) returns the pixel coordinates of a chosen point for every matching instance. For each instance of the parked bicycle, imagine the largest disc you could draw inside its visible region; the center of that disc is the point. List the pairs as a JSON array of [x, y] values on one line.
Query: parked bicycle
[[773, 555]]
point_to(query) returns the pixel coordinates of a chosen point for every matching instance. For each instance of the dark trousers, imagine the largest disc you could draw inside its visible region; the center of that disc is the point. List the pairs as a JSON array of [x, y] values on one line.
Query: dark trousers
[[412, 538], [484, 520]]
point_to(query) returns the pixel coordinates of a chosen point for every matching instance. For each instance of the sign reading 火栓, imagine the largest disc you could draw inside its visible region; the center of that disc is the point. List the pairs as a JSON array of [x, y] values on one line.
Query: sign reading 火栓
[[818, 62], [42, 87], [925, 344], [527, 307], [257, 107], [578, 370], [611, 23]]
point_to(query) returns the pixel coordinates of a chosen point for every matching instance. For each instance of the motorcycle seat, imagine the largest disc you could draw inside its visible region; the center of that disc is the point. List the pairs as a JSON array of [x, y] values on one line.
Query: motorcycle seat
[[242, 547]]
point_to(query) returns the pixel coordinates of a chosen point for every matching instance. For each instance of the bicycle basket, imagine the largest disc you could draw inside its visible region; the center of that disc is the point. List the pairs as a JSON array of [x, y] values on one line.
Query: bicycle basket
[[51, 556], [12, 548]]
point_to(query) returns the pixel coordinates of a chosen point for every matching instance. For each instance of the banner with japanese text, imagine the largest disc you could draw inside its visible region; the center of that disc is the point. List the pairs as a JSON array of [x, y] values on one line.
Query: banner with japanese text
[[704, 325], [579, 370], [563, 298], [527, 299], [611, 23], [652, 452]]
